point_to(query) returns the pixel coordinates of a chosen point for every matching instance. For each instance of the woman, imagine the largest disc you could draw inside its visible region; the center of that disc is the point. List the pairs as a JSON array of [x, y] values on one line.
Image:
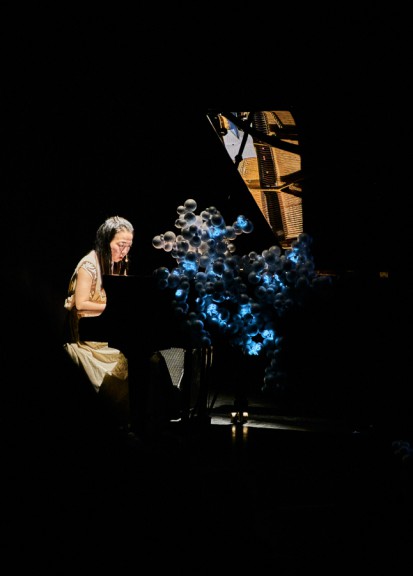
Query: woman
[[105, 367]]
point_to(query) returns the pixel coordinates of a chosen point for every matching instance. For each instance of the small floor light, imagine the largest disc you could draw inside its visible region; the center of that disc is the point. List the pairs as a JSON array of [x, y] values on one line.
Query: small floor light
[[239, 417]]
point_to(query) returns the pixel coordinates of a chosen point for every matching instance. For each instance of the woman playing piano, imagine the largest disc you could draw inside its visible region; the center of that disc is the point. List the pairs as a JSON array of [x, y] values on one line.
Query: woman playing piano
[[105, 367]]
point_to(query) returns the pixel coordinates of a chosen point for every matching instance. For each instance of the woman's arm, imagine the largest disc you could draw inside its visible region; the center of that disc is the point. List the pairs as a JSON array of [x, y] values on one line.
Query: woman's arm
[[82, 293]]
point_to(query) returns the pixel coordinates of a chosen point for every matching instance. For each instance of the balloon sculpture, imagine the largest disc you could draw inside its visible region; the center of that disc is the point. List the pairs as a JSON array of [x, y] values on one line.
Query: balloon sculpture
[[217, 291]]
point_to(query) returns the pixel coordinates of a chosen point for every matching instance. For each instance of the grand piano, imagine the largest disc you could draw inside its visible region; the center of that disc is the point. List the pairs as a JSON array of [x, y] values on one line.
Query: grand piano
[[139, 317], [139, 320]]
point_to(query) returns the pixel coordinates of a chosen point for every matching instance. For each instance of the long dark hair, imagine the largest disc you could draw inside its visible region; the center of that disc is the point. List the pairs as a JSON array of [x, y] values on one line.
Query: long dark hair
[[104, 236]]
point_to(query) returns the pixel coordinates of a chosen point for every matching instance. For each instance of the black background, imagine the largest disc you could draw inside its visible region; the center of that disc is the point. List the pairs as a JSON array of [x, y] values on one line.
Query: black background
[[106, 114]]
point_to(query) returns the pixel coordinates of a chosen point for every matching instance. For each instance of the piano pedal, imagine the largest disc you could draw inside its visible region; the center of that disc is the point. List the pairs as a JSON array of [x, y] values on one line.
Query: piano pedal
[[175, 419]]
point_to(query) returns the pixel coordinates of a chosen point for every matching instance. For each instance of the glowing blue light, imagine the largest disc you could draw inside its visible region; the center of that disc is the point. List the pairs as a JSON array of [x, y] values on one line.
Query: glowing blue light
[[241, 297]]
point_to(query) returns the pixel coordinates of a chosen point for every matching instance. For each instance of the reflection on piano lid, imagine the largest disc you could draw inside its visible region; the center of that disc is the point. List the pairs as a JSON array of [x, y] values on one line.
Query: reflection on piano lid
[[138, 316]]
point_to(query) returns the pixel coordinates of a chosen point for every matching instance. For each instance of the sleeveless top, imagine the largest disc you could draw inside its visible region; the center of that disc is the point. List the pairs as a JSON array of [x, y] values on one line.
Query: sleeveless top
[[97, 293]]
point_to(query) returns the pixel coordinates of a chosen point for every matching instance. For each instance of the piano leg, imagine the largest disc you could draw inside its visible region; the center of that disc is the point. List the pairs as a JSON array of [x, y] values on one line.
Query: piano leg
[[150, 395], [195, 385]]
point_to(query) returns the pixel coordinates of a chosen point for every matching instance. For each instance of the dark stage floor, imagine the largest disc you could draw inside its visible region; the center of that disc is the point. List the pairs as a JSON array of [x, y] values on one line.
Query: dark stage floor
[[278, 494]]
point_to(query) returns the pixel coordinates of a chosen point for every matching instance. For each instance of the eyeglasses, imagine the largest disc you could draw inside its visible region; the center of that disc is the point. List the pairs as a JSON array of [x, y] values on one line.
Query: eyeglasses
[[124, 246]]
